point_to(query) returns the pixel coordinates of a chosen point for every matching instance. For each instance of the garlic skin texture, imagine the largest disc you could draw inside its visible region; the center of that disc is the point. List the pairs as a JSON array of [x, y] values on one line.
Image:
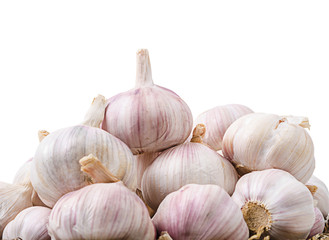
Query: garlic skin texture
[[321, 195], [202, 212], [55, 168], [142, 162], [29, 224], [318, 225], [274, 201], [101, 211], [187, 163], [148, 118], [217, 120], [13, 199], [259, 141]]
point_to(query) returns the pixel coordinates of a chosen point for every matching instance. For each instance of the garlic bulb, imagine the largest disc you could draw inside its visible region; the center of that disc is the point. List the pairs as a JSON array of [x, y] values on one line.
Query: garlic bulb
[[318, 225], [101, 211], [22, 177], [275, 202], [200, 212], [191, 162], [14, 198], [148, 118], [321, 195], [217, 120], [29, 224], [56, 169], [259, 141]]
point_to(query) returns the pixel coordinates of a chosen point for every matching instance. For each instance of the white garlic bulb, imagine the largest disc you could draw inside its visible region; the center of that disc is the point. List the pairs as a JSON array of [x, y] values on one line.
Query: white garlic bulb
[[318, 225], [202, 212], [217, 120], [22, 177], [259, 141], [321, 195], [275, 202], [101, 211], [13, 199], [29, 224], [148, 118], [191, 162], [56, 169]]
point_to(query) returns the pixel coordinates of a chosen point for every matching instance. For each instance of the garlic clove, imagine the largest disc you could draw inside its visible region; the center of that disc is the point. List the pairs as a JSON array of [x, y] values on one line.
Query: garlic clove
[[200, 212], [56, 170], [29, 224], [148, 118], [184, 164], [14, 198], [321, 195], [217, 120], [101, 211], [318, 225], [273, 201], [142, 162], [259, 141]]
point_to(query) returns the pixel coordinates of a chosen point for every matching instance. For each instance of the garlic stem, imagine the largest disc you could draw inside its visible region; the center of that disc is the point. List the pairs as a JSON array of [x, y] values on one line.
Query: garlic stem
[[95, 113], [301, 121], [165, 236], [96, 170], [198, 133], [42, 134], [312, 189], [143, 69]]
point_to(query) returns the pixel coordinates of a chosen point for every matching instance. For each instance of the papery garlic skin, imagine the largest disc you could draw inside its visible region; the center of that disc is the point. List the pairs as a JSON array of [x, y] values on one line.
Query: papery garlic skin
[[56, 168], [148, 118], [29, 224], [285, 204], [200, 212], [321, 195], [318, 225], [13, 199], [101, 211], [217, 120], [184, 164], [259, 141]]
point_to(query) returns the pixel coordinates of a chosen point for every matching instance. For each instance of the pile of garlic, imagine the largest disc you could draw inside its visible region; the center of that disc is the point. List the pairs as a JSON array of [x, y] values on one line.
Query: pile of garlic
[[139, 167]]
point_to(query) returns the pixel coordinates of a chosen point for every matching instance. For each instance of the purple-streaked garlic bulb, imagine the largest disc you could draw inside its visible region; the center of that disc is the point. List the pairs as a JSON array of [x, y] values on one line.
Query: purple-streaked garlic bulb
[[318, 225], [273, 202], [217, 120], [148, 118], [101, 211], [191, 162], [321, 195], [200, 212], [29, 224], [259, 141], [56, 169], [13, 199]]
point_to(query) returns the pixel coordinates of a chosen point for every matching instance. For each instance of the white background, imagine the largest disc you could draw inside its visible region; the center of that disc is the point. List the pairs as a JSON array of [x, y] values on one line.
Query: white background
[[55, 56]]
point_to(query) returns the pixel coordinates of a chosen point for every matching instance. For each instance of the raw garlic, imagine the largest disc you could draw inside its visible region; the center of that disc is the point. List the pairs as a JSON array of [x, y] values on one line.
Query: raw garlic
[[200, 212], [259, 141], [191, 162], [217, 120], [56, 169], [29, 224], [101, 210], [321, 195], [13, 199], [274, 202], [148, 118], [318, 225]]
